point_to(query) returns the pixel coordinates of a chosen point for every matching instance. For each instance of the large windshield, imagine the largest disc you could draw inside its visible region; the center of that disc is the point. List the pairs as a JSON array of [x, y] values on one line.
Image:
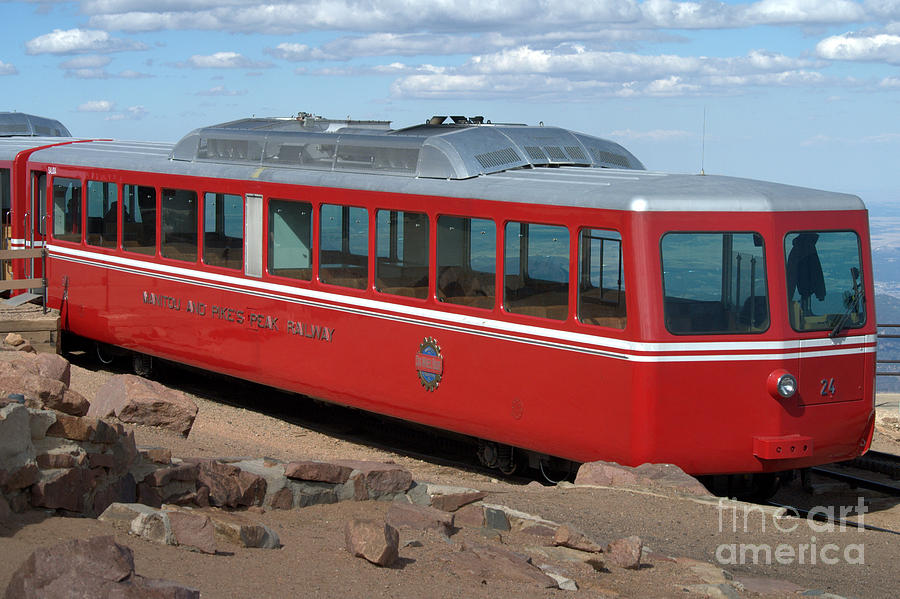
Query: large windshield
[[714, 283], [824, 280]]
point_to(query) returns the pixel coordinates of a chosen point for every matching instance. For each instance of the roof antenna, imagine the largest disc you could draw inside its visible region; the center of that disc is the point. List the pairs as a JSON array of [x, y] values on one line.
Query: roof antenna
[[703, 143]]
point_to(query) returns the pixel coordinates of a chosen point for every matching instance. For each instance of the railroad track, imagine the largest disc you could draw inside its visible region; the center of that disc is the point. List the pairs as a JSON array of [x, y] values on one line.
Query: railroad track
[[873, 461]]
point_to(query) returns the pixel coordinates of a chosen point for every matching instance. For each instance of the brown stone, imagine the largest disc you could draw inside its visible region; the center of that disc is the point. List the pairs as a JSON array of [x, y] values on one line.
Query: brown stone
[[569, 536], [82, 429], [652, 476], [606, 474], [38, 390], [181, 472], [376, 542], [195, 531], [96, 567], [283, 499], [381, 479], [101, 460], [229, 486], [140, 401], [469, 516], [119, 490], [453, 501], [325, 472], [490, 563], [62, 489], [52, 366], [235, 528], [158, 455], [625, 553], [672, 477], [22, 477], [408, 515], [48, 461]]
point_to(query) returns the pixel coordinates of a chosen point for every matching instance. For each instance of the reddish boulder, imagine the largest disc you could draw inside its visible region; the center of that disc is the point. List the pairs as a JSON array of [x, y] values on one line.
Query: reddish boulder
[[140, 401], [651, 476], [229, 486], [52, 366], [325, 472], [83, 429], [194, 531], [377, 542], [380, 479], [625, 553], [96, 567], [489, 563], [62, 489]]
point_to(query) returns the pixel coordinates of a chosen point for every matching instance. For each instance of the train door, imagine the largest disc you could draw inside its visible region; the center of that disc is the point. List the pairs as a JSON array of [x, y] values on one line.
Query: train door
[[35, 220]]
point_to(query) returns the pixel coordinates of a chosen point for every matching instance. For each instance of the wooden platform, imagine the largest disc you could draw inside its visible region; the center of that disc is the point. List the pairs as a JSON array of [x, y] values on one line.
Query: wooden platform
[[28, 320]]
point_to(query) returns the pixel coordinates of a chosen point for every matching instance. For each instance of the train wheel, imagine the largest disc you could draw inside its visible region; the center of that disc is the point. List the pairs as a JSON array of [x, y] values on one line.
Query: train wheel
[[495, 455], [142, 365], [104, 353]]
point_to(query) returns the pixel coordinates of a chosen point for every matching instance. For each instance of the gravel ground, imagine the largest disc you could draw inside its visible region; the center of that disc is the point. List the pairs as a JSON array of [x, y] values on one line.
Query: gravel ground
[[313, 561]]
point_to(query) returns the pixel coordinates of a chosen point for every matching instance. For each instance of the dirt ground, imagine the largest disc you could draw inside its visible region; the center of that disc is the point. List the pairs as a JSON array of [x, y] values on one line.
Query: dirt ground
[[313, 561]]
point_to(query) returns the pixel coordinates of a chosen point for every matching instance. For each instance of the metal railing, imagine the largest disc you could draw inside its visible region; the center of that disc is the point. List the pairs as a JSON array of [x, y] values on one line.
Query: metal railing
[[885, 335], [33, 283]]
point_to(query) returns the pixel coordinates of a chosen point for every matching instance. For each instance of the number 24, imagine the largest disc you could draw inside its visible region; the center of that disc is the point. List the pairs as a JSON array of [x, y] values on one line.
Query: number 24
[[827, 386]]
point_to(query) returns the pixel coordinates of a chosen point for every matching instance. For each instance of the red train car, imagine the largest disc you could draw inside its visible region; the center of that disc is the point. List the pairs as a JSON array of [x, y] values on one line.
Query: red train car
[[531, 287]]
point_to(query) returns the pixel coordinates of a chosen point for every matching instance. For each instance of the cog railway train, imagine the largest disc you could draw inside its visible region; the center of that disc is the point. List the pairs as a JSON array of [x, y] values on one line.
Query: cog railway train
[[531, 287]]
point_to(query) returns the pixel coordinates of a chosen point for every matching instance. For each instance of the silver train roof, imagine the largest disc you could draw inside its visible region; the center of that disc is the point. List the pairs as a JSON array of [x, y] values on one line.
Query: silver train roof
[[19, 123], [589, 184]]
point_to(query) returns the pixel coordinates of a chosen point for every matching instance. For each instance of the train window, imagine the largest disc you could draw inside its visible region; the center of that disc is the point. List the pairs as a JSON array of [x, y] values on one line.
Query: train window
[[223, 230], [102, 214], [67, 209], [536, 270], [139, 219], [466, 261], [179, 224], [714, 283], [344, 246], [601, 286], [824, 280], [290, 239], [401, 265]]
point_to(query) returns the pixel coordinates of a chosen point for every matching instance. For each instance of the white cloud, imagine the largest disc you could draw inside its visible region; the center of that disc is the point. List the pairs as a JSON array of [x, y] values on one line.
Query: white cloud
[[219, 90], [881, 47], [803, 11], [90, 61], [890, 82], [79, 41], [132, 113], [7, 68], [96, 106], [224, 60]]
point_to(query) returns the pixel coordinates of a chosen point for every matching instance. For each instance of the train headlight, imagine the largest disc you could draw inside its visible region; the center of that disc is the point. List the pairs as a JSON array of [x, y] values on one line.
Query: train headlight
[[782, 384]]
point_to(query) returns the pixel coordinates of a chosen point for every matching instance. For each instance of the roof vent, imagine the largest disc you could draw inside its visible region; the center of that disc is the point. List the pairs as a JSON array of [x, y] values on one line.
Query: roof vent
[[497, 158]]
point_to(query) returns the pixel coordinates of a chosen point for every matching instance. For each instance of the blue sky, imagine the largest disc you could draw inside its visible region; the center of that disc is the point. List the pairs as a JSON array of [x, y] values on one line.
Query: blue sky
[[805, 92]]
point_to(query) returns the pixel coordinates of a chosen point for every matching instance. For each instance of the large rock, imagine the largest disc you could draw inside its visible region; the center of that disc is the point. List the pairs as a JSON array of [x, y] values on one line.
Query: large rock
[[39, 391], [52, 366], [325, 472], [192, 530], [569, 536], [84, 429], [140, 401], [16, 446], [651, 476], [625, 553], [97, 567], [489, 563], [408, 515], [229, 486], [377, 542], [379, 479]]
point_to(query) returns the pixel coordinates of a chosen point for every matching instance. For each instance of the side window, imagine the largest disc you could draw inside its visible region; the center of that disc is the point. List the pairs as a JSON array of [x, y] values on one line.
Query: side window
[[344, 246], [139, 219], [601, 286], [67, 209], [714, 283], [102, 214], [401, 265], [466, 261], [536, 270], [223, 230], [290, 239], [179, 224]]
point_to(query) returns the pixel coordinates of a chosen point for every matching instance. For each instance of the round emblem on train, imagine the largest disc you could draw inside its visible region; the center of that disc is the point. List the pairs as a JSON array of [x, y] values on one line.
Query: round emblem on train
[[429, 364]]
